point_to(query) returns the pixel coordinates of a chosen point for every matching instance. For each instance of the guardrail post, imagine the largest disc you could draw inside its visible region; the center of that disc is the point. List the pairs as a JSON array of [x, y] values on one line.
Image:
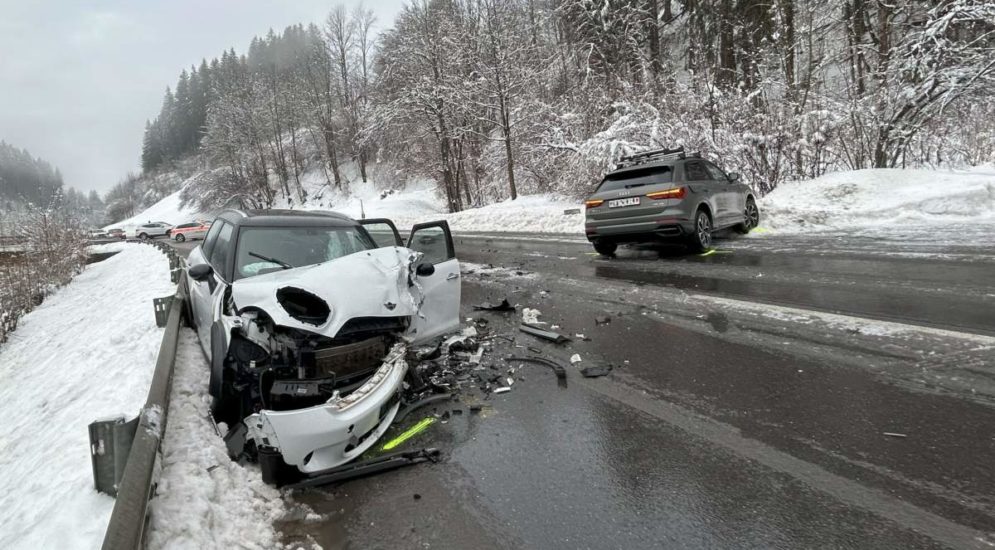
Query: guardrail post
[[126, 528]]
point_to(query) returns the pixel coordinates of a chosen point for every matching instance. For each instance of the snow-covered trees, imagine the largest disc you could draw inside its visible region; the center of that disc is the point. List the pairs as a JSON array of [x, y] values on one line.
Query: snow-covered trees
[[25, 178], [493, 98]]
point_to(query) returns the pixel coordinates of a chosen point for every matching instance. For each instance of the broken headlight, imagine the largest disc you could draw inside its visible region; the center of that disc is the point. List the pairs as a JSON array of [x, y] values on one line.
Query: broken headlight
[[245, 352]]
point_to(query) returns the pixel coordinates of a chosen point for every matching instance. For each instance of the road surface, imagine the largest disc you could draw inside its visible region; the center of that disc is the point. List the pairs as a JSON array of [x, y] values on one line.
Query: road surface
[[780, 392]]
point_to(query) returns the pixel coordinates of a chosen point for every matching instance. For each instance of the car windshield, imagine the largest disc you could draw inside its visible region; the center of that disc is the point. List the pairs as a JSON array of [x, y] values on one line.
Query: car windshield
[[294, 246], [637, 178]]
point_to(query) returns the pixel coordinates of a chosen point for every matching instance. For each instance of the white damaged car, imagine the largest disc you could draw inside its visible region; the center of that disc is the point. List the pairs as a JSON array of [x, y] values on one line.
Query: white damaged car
[[305, 318]]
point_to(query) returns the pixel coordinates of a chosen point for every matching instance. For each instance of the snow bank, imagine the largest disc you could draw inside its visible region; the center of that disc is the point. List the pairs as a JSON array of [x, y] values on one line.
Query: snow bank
[[204, 500], [105, 248], [86, 353], [881, 198]]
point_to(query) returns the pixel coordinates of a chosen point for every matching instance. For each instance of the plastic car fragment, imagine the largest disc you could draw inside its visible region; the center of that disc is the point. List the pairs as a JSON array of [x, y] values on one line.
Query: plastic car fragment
[[487, 306], [554, 337]]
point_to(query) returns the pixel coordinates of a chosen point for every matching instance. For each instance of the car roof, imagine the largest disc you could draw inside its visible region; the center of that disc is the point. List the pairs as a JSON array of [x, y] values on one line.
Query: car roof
[[645, 165], [285, 218]]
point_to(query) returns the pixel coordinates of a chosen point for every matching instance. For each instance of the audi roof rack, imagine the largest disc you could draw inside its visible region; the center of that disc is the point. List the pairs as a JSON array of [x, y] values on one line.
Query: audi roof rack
[[652, 156]]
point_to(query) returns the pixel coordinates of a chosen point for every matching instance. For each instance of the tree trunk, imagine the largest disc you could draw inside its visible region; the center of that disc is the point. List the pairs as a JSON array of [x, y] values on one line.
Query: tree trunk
[[654, 38], [788, 13], [727, 58]]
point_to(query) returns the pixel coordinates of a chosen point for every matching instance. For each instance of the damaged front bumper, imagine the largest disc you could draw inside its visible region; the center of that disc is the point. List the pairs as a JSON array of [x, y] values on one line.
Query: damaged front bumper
[[318, 438]]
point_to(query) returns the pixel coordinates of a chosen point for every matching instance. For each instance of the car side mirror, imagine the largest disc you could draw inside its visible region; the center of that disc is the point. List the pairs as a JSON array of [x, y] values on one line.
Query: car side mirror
[[200, 272], [425, 270], [734, 176]]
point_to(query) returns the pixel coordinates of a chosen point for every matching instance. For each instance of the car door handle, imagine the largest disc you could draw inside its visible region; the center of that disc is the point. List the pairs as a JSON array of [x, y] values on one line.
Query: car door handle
[[452, 276]]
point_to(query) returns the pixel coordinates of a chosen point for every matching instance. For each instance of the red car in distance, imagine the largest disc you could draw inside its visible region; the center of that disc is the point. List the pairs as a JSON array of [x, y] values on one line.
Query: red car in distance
[[189, 231]]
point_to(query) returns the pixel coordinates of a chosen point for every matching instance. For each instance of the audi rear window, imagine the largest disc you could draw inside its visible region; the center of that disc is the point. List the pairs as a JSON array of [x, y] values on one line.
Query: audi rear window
[[637, 178]]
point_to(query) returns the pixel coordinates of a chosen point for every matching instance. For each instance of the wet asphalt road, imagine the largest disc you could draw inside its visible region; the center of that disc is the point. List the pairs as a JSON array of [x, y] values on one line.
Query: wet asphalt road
[[752, 392]]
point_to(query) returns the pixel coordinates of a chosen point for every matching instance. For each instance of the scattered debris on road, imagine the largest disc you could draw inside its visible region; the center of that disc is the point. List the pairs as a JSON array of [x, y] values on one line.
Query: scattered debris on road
[[363, 468], [409, 433], [503, 306], [575, 358], [602, 319], [554, 337], [561, 372], [596, 371], [531, 316], [894, 434], [503, 389]]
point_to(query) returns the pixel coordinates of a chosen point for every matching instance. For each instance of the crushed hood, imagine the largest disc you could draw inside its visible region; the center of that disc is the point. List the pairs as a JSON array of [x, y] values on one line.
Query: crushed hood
[[371, 283]]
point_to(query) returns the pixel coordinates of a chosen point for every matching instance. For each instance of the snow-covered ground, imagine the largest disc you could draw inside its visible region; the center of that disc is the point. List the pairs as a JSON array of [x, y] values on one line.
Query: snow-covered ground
[[104, 248], [877, 201], [204, 500], [86, 353], [882, 200]]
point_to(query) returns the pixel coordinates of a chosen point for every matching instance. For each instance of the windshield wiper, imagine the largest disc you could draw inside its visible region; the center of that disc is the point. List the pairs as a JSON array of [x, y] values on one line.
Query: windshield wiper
[[280, 263]]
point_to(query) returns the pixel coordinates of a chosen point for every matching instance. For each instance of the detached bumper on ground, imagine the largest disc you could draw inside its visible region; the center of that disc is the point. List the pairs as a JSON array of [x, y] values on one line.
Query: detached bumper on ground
[[318, 438]]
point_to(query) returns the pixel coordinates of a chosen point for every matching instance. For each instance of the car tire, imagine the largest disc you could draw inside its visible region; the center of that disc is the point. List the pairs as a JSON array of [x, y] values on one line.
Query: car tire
[[224, 403], [188, 313], [752, 217], [605, 248], [143, 236], [700, 239], [179, 238]]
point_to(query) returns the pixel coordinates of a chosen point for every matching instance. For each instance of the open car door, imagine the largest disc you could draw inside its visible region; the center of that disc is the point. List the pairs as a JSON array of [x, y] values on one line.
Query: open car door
[[383, 232], [440, 283]]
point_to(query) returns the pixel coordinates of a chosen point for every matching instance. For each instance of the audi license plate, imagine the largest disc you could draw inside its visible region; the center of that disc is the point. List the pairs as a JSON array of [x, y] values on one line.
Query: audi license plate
[[631, 201]]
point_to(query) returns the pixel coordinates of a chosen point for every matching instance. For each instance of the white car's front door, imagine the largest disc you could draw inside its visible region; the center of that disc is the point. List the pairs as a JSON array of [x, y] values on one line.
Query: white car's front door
[[439, 277]]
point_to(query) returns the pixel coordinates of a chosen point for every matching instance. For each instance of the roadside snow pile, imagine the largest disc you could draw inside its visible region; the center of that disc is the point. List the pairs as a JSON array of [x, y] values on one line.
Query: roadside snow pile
[[530, 214], [879, 198], [107, 248], [204, 500], [86, 353]]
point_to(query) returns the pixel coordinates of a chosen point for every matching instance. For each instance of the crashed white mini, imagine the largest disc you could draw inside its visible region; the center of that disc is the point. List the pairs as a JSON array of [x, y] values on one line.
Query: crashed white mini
[[305, 317]]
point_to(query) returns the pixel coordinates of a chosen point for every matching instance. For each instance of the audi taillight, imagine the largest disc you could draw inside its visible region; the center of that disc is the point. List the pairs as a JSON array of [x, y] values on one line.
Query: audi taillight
[[592, 203], [674, 193]]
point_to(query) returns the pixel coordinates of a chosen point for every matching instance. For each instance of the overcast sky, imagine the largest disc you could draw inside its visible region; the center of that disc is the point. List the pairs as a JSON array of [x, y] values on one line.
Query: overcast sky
[[78, 78]]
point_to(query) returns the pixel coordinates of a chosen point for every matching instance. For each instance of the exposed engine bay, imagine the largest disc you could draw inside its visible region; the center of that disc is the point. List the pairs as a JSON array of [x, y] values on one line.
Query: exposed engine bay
[[317, 388], [279, 368]]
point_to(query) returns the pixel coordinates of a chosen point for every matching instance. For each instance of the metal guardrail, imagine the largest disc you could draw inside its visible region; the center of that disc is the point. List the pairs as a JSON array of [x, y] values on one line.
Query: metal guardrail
[[126, 528]]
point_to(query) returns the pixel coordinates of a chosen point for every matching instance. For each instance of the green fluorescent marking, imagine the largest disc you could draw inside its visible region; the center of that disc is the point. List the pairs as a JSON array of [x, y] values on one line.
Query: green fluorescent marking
[[411, 432], [709, 253]]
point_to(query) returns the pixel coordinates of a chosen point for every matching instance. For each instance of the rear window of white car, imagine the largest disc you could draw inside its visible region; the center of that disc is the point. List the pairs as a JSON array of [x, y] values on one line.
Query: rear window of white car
[[294, 247], [637, 178]]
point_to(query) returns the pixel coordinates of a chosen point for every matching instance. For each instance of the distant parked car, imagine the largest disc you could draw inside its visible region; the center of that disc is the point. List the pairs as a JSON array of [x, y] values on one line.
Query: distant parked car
[[192, 230], [117, 233], [98, 234], [152, 230], [667, 194]]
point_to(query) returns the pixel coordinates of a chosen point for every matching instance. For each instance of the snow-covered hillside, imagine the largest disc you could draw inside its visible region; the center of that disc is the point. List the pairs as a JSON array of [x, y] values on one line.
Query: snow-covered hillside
[[417, 202], [86, 353], [166, 210]]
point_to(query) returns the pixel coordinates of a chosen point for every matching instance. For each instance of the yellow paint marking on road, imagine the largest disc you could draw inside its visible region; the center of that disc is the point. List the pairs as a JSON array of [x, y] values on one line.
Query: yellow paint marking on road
[[411, 432]]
